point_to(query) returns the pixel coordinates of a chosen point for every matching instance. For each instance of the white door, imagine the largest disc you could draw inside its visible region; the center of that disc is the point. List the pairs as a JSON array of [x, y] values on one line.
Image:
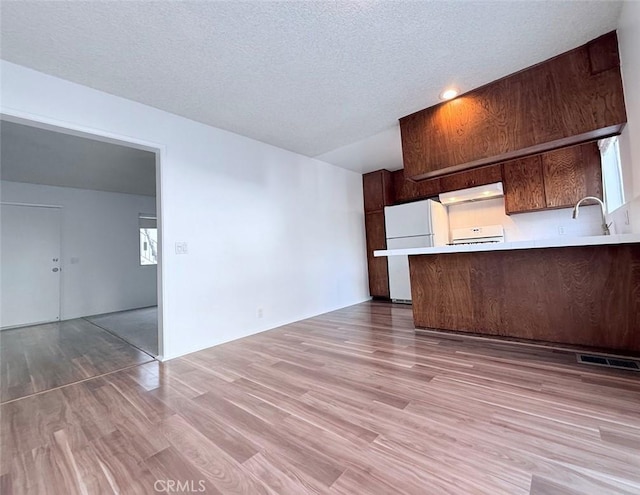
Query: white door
[[399, 282], [29, 265]]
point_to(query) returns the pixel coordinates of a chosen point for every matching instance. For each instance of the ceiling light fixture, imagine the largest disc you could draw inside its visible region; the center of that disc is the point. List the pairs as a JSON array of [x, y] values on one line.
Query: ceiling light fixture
[[448, 94]]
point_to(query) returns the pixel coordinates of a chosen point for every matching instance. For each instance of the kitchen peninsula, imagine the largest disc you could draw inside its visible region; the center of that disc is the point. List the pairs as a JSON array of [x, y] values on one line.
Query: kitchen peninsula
[[582, 291]]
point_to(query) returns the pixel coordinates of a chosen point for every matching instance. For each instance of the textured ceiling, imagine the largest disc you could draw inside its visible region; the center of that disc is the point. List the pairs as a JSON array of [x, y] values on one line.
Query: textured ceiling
[[39, 156], [306, 76]]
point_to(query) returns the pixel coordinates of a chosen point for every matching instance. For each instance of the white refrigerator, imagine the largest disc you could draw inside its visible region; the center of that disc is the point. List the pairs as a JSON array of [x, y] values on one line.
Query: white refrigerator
[[419, 224]]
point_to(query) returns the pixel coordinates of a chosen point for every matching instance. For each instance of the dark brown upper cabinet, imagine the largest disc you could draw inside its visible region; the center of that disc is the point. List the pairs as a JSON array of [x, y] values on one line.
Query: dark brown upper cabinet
[[523, 185], [572, 98], [570, 174], [405, 190], [378, 190], [557, 179], [471, 178]]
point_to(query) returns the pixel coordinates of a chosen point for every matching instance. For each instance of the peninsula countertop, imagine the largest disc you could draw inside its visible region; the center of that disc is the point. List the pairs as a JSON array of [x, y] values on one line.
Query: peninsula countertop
[[554, 242]]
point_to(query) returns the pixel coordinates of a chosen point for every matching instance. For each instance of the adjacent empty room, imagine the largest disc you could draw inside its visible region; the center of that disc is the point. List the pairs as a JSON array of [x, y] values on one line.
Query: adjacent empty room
[[79, 258]]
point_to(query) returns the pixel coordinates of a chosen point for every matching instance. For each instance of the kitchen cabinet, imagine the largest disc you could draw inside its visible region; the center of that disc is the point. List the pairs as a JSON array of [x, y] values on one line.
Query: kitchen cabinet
[[578, 295], [378, 267], [405, 190], [523, 185], [378, 190], [569, 99], [557, 179], [570, 174], [471, 178]]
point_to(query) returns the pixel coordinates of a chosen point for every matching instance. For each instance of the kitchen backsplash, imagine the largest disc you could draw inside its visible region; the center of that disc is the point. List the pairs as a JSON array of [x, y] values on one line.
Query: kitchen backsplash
[[526, 226], [626, 219]]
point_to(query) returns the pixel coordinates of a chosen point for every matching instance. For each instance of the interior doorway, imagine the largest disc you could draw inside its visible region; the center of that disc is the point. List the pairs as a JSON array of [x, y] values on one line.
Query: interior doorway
[[30, 262], [81, 243]]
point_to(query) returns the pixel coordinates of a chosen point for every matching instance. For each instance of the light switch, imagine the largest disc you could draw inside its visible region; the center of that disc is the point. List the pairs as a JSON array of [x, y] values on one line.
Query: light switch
[[182, 248]]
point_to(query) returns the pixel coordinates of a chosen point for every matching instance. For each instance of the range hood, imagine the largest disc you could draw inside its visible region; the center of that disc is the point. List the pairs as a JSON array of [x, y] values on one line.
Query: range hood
[[478, 193]]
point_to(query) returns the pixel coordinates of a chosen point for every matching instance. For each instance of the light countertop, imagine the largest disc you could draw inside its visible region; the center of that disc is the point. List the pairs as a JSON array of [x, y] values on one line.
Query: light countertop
[[563, 241]]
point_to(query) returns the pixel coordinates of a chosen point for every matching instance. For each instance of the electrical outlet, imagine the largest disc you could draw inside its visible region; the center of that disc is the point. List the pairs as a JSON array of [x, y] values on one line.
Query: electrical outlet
[[259, 312], [561, 230]]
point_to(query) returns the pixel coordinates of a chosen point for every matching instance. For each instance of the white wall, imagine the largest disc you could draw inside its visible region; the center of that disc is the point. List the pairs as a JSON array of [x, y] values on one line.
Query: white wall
[[629, 45], [526, 226], [626, 219], [100, 233], [266, 228]]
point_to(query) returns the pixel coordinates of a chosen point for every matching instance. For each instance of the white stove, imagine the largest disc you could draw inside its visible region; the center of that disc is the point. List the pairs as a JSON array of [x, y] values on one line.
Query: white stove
[[477, 235]]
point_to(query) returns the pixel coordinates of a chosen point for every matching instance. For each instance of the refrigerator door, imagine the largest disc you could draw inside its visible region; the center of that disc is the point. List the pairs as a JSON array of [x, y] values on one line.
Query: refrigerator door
[[411, 219], [399, 284]]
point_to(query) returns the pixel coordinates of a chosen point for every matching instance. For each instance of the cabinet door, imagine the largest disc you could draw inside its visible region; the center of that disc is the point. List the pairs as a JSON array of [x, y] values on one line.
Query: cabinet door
[[566, 100], [406, 190], [471, 178], [377, 188], [378, 268], [570, 174], [523, 185]]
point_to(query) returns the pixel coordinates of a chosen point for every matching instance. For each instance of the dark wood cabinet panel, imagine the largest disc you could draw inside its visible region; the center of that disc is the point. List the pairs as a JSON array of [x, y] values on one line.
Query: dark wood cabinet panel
[[570, 174], [406, 190], [538, 294], [471, 178], [378, 268], [415, 141], [523, 185], [378, 190], [563, 179], [557, 179], [592, 168], [603, 53], [572, 98]]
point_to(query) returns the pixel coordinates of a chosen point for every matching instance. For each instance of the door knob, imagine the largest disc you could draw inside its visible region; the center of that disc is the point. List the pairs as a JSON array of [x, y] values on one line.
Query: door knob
[[54, 270]]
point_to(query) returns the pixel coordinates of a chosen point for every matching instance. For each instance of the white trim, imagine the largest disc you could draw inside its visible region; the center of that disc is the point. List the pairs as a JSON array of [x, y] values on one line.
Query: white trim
[[25, 325], [40, 122], [33, 205], [603, 144]]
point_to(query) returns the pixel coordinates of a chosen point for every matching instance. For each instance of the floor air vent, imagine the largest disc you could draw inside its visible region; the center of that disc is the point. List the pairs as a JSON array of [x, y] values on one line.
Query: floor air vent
[[621, 364]]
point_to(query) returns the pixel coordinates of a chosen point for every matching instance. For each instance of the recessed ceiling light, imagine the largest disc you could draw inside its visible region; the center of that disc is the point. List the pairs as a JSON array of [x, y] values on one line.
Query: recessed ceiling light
[[448, 94]]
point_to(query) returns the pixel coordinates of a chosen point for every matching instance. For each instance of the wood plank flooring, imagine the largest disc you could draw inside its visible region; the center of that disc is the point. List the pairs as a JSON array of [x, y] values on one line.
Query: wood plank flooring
[[42, 357], [350, 402], [139, 327]]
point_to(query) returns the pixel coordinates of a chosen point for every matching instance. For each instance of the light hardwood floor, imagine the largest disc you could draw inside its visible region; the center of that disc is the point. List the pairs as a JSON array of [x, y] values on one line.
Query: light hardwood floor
[[351, 402], [42, 357], [139, 327]]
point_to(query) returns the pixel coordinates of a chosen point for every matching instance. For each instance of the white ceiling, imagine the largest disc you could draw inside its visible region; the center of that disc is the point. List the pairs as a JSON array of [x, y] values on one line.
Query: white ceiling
[[40, 156], [311, 77]]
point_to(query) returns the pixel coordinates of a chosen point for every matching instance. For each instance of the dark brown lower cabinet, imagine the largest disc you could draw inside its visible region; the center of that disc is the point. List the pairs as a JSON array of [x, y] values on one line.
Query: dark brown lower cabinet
[[586, 295], [378, 269]]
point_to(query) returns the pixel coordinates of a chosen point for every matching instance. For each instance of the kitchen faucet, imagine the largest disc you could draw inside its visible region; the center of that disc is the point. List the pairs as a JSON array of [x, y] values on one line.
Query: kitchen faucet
[[576, 209]]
